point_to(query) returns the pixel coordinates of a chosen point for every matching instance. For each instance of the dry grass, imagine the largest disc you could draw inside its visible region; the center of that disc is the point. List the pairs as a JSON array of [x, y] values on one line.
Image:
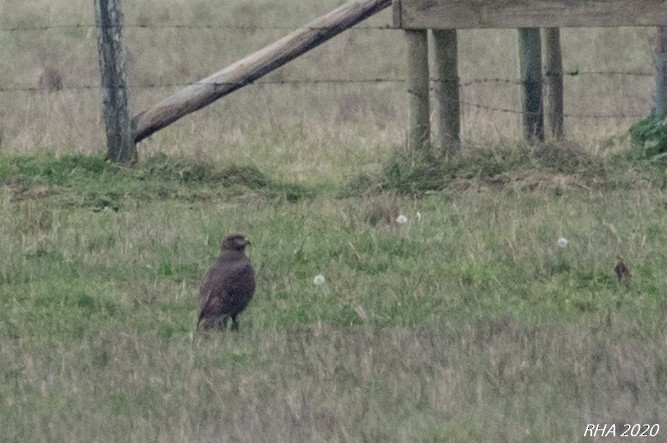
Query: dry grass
[[495, 381]]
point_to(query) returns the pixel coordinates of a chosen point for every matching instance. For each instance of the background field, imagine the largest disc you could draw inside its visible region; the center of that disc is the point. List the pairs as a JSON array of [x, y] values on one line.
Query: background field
[[467, 323], [319, 115]]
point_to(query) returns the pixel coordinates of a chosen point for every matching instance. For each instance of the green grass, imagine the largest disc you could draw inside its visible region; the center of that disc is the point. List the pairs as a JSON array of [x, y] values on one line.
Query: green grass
[[475, 326]]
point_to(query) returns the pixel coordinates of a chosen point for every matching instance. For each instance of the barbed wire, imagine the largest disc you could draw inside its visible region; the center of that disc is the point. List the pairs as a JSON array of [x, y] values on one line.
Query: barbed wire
[[230, 27], [253, 28], [26, 88], [566, 115], [619, 73], [464, 103], [32, 28], [310, 81], [306, 82]]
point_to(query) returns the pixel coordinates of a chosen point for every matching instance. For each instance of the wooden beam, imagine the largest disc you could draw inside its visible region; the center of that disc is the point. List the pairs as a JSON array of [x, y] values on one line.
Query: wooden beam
[[446, 91], [396, 13], [419, 131], [530, 65], [109, 21], [458, 14], [553, 82], [251, 68]]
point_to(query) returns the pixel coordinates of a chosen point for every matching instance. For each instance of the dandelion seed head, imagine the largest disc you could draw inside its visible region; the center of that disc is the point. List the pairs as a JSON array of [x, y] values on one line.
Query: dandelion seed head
[[319, 280], [562, 242], [401, 219], [361, 313]]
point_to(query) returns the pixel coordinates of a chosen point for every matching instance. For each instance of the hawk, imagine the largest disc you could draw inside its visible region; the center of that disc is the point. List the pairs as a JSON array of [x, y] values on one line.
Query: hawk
[[229, 285]]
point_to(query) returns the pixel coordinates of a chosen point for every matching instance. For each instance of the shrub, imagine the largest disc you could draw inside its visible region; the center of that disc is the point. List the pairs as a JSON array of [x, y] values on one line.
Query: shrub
[[650, 135]]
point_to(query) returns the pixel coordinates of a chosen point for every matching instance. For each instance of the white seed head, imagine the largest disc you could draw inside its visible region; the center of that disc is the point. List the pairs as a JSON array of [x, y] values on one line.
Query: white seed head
[[319, 280], [401, 219], [562, 242]]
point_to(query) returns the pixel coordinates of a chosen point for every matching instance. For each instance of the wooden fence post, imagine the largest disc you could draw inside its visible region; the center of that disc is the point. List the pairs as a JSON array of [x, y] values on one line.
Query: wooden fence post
[[418, 89], [530, 61], [553, 82], [447, 90], [660, 70], [109, 21]]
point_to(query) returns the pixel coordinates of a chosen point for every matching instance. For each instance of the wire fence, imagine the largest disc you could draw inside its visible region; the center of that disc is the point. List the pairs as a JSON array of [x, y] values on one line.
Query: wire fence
[[21, 87], [224, 27], [338, 81], [316, 81]]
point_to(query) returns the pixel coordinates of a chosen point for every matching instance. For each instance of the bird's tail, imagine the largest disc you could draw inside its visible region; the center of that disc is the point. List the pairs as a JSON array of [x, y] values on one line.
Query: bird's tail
[[202, 309]]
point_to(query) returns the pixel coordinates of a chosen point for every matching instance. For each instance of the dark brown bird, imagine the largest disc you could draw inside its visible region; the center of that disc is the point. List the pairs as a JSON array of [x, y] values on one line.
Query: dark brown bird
[[229, 285], [622, 272]]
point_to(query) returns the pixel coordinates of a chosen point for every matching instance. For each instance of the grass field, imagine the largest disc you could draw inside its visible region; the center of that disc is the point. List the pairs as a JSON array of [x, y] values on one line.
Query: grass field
[[467, 323]]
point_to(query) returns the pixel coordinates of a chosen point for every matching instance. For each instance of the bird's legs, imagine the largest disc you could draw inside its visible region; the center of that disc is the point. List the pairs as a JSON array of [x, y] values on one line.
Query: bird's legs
[[218, 323], [223, 323], [235, 323]]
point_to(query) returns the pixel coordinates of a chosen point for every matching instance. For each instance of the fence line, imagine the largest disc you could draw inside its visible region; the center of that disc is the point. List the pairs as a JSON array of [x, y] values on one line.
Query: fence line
[[340, 81], [314, 81], [317, 81], [22, 88], [306, 82]]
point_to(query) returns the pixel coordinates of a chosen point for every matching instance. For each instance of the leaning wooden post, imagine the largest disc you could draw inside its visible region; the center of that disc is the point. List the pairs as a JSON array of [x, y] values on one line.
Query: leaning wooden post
[[254, 66], [530, 61], [660, 70], [553, 82], [120, 143], [418, 89], [447, 90]]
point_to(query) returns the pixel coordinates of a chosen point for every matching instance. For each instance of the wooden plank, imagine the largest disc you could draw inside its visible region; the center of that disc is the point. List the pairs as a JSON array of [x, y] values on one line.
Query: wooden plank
[[254, 66], [530, 64], [446, 91], [109, 20], [419, 131], [458, 14], [396, 13], [553, 82]]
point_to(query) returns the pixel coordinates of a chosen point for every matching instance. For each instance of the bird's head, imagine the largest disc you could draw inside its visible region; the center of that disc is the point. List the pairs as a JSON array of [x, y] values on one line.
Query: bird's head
[[234, 242]]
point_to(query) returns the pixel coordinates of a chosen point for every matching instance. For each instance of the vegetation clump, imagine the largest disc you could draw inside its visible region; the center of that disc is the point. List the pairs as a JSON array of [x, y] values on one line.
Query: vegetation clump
[[158, 175], [650, 136], [523, 166]]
